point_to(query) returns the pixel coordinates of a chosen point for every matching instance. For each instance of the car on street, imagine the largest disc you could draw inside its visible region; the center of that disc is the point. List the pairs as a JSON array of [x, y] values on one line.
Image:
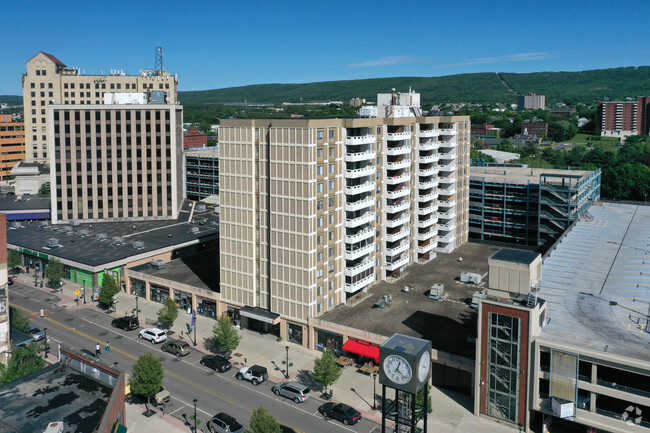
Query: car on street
[[294, 390], [340, 412], [154, 335], [217, 363], [224, 423], [128, 323], [162, 396], [177, 347], [36, 333], [255, 374]]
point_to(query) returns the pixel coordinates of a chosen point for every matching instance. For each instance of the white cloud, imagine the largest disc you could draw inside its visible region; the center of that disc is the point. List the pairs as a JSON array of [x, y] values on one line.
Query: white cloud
[[521, 57], [385, 61]]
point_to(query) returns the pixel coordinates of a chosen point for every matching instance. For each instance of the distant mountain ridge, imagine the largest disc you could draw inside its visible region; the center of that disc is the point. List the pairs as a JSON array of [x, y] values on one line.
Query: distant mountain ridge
[[585, 86]]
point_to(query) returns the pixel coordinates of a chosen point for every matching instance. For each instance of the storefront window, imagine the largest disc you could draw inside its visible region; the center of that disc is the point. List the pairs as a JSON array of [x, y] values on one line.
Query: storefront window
[[206, 307], [138, 288], [159, 294], [183, 300], [233, 313], [328, 339], [295, 333]]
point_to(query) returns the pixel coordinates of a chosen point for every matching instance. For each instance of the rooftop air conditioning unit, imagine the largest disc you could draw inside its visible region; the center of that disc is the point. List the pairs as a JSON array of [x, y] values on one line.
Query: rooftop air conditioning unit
[[194, 230], [44, 224], [52, 243], [16, 225], [83, 233], [157, 263], [101, 237], [74, 223], [67, 228], [117, 240], [138, 245], [200, 207]]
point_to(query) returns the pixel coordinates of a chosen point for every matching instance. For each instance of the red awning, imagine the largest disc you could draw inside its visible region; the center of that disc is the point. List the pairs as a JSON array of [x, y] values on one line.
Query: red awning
[[367, 350]]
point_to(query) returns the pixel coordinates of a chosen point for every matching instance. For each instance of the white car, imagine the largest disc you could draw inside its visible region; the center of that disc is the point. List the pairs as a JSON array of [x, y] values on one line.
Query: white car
[[154, 335]]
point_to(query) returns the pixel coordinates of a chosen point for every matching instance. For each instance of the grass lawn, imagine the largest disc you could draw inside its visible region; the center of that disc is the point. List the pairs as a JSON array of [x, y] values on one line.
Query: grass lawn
[[582, 139]]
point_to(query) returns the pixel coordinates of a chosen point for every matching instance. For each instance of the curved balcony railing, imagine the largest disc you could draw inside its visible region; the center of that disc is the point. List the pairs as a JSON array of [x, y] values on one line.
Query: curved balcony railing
[[360, 139]]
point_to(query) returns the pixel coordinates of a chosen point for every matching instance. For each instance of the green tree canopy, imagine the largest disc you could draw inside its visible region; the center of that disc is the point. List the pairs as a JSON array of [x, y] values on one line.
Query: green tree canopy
[[44, 189], [326, 370], [17, 320], [23, 361], [420, 397], [263, 422], [506, 146], [168, 313], [109, 290], [225, 333], [146, 378], [14, 258], [54, 271]]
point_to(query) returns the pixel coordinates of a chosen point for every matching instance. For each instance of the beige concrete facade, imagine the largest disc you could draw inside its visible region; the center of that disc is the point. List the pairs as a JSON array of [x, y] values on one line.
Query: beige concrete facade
[[49, 81], [115, 162], [352, 202], [12, 144]]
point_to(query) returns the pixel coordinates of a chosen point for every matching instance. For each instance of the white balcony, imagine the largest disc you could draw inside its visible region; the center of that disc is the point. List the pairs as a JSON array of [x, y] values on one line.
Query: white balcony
[[429, 132], [422, 249], [398, 164], [427, 223], [444, 204], [397, 236], [426, 197], [428, 235], [402, 192], [448, 167], [447, 179], [447, 154], [447, 191], [357, 269], [446, 248], [427, 159], [368, 217], [447, 227], [391, 266], [358, 189], [392, 208], [427, 145], [448, 143], [428, 210], [359, 204], [358, 237], [401, 150], [394, 180], [427, 171], [362, 139], [395, 136], [427, 184], [360, 172], [398, 249], [449, 238], [359, 252], [448, 214], [448, 130], [398, 221], [359, 285], [361, 156]]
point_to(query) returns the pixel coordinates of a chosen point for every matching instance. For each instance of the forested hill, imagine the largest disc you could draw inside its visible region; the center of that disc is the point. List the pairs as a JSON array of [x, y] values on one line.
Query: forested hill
[[585, 86]]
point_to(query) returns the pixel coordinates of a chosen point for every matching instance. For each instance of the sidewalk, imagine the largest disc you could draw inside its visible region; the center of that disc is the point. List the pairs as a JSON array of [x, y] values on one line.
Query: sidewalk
[[451, 411]]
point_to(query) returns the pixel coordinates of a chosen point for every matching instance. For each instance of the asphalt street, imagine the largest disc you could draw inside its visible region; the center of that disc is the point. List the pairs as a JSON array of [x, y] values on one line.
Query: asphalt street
[[185, 378]]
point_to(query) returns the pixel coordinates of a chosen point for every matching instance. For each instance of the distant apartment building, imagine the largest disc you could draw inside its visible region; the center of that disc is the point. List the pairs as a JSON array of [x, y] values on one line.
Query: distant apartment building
[[357, 102], [12, 144], [314, 211], [201, 173], [528, 206], [115, 161], [194, 138], [617, 119], [485, 130], [534, 127], [532, 101], [48, 81], [562, 111]]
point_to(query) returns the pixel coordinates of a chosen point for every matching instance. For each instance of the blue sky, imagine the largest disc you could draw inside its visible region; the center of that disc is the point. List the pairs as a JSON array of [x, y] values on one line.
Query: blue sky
[[217, 44]]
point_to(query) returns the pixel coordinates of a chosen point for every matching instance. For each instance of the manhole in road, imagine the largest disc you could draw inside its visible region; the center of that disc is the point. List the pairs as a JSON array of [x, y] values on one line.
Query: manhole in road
[[118, 337], [103, 333], [70, 319], [161, 358]]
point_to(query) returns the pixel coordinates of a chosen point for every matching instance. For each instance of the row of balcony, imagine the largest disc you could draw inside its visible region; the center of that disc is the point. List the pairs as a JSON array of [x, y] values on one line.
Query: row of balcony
[[369, 170], [353, 252], [359, 204], [392, 237], [398, 263], [359, 236], [361, 156], [359, 285]]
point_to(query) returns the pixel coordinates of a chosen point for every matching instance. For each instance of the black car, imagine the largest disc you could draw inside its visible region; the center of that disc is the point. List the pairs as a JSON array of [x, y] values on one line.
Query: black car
[[217, 363], [127, 323], [340, 412]]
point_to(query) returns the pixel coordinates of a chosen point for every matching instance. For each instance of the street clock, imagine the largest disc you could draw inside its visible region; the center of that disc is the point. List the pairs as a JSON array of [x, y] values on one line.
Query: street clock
[[405, 363]]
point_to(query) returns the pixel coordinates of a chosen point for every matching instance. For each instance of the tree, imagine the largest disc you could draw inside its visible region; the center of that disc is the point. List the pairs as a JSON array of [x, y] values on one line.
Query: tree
[[109, 290], [146, 378], [263, 422], [168, 313], [14, 258], [18, 321], [225, 333], [506, 146], [326, 370], [23, 361], [419, 399], [212, 142], [44, 189], [54, 272]]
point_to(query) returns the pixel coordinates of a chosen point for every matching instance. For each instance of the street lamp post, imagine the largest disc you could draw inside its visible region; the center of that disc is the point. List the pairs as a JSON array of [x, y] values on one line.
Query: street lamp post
[[195, 401], [137, 316], [45, 346], [374, 391], [83, 290], [287, 349]]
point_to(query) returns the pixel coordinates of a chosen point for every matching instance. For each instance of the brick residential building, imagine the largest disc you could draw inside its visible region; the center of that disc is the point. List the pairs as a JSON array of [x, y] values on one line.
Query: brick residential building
[[194, 138], [12, 144], [534, 127], [617, 118]]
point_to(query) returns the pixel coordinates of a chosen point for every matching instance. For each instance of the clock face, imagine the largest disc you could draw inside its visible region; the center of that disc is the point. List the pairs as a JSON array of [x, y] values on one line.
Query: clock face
[[397, 369], [423, 366]]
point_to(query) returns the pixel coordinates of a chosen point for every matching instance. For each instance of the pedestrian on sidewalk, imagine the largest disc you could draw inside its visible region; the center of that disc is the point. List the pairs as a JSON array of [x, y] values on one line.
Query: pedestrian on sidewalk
[[108, 347], [98, 350]]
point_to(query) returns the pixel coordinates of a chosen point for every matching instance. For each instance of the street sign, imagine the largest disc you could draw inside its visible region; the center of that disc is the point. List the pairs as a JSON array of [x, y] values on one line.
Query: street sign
[[77, 292]]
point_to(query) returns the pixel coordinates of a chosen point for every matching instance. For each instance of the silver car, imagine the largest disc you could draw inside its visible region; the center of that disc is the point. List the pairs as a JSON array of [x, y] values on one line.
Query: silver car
[[224, 423], [293, 390]]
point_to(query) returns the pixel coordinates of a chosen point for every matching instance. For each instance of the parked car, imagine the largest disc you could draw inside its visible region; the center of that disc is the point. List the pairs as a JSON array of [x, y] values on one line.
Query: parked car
[[162, 396], [340, 412], [128, 323], [294, 390], [217, 363], [177, 347], [36, 333], [224, 423], [255, 374], [154, 335]]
